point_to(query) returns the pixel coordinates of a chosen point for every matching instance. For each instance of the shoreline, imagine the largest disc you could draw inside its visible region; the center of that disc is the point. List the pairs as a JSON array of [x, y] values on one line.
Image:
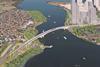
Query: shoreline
[[93, 36], [60, 4]]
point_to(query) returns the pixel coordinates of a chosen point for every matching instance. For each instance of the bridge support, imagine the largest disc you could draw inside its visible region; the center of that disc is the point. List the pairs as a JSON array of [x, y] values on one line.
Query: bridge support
[[64, 28], [42, 36]]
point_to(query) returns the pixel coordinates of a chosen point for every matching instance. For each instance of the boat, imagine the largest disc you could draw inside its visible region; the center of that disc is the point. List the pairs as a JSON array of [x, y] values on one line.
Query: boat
[[76, 65], [65, 37], [84, 58], [54, 22], [43, 31], [49, 16], [50, 46]]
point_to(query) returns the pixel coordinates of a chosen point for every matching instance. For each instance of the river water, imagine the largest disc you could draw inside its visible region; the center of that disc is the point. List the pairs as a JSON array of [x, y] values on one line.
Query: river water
[[70, 52]]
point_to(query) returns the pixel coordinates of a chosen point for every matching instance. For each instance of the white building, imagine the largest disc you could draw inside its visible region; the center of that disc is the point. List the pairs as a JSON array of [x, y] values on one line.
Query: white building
[[97, 4], [83, 12]]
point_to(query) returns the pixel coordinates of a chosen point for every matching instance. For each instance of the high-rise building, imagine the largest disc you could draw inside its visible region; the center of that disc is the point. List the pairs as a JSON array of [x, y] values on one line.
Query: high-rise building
[[83, 12], [92, 13], [75, 11], [97, 4], [79, 2]]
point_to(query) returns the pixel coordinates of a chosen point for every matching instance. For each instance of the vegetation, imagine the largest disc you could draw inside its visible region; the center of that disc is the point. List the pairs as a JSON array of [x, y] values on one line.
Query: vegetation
[[68, 17], [3, 47], [98, 14], [84, 30], [31, 51], [37, 16], [98, 40], [30, 32], [22, 59]]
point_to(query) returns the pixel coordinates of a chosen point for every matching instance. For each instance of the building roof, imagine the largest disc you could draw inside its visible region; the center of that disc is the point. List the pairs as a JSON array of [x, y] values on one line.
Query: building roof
[[11, 21]]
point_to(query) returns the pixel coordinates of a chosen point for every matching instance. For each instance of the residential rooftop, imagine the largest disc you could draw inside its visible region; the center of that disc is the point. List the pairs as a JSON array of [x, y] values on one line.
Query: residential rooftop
[[12, 21]]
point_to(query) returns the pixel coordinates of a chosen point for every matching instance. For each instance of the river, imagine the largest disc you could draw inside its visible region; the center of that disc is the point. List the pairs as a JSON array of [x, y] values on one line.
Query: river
[[70, 52]]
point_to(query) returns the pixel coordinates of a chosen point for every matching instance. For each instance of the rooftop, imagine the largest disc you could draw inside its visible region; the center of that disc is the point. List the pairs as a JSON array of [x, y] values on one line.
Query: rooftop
[[11, 21]]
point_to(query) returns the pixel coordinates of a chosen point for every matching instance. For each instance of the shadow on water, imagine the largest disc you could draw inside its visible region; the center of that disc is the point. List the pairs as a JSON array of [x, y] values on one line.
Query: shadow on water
[[66, 53]]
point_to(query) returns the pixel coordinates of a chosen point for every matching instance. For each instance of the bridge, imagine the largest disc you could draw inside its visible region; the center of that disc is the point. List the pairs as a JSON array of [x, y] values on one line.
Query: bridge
[[41, 35], [28, 43]]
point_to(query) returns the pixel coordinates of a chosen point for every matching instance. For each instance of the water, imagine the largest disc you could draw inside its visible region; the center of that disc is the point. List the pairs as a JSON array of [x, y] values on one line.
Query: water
[[57, 14], [64, 53]]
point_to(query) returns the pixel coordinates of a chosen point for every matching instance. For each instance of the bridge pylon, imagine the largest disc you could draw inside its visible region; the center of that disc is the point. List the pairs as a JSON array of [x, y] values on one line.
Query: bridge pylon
[[64, 28], [42, 36]]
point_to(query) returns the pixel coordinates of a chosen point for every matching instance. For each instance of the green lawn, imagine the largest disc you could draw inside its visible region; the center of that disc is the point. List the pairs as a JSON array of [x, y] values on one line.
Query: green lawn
[[37, 16], [84, 30], [68, 17], [29, 33], [3, 47], [22, 59], [98, 40], [98, 14]]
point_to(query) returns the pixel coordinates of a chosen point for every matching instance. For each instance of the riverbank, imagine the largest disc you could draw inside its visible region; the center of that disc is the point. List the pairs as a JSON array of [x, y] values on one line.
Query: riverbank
[[23, 58], [90, 33], [68, 18], [37, 17], [60, 4], [66, 7]]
